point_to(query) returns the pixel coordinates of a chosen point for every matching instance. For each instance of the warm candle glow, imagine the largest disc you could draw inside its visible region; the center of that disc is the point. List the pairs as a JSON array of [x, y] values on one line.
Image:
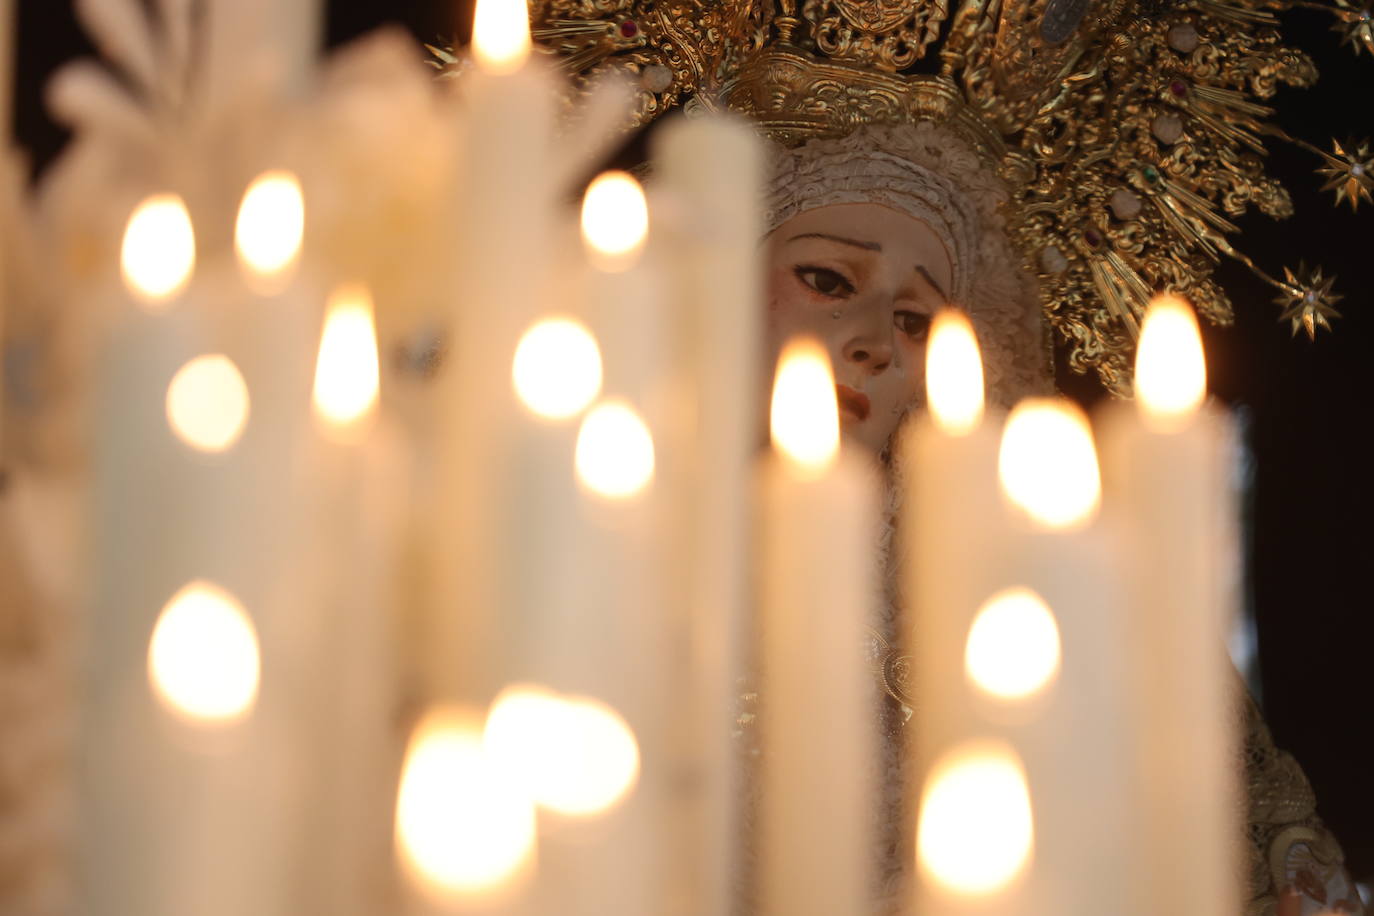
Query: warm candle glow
[[158, 254], [203, 656], [975, 833], [501, 35], [577, 756], [615, 220], [805, 416], [615, 451], [270, 226], [463, 823], [1013, 646], [954, 374], [557, 368], [347, 373], [1048, 464], [207, 403], [1170, 371]]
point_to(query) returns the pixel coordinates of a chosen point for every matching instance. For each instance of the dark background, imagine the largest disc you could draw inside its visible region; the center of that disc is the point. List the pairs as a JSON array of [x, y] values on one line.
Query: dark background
[[1307, 405]]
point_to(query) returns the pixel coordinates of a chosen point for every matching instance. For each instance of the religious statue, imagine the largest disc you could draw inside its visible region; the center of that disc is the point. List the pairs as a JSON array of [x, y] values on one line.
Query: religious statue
[[1046, 166]]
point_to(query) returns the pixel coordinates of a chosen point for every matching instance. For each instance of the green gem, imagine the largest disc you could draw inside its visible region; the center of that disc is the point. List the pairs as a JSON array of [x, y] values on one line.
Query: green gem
[[1151, 174]]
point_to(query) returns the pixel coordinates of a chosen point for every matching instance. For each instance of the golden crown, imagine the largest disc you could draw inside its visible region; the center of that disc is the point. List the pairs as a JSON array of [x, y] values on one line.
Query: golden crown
[[1131, 132]]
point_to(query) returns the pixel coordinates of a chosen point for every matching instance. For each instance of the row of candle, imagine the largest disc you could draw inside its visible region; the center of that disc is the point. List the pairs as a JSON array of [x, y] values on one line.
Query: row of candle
[[586, 552], [527, 573], [1072, 695]]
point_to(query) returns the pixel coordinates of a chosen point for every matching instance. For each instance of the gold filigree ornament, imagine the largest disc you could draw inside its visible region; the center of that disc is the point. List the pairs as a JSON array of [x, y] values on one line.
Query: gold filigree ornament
[[1132, 133]]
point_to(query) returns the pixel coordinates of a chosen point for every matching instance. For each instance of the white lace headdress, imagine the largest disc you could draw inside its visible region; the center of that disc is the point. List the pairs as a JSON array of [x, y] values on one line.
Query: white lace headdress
[[927, 172]]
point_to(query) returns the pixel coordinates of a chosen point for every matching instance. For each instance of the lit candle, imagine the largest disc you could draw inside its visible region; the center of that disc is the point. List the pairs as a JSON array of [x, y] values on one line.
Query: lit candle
[[948, 457], [357, 486], [616, 651], [624, 302], [1058, 692], [954, 532], [818, 587], [500, 286], [1166, 479], [176, 711], [709, 177]]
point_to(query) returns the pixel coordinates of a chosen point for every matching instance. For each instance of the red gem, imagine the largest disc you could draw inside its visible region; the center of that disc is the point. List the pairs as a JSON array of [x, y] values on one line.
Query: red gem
[[1092, 237], [1178, 88], [629, 28]]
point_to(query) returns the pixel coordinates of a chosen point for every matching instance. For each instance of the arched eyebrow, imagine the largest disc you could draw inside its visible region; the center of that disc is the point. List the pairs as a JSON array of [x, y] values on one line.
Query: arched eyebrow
[[869, 246], [843, 240], [921, 269]]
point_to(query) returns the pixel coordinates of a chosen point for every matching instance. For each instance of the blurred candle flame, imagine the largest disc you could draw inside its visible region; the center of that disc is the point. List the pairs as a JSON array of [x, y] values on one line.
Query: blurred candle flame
[[577, 756], [1047, 464], [203, 659], [614, 455], [1170, 370], [557, 368], [615, 220], [501, 35], [954, 374], [464, 826], [805, 415], [1013, 649], [158, 253], [975, 832], [270, 226], [207, 403], [347, 373]]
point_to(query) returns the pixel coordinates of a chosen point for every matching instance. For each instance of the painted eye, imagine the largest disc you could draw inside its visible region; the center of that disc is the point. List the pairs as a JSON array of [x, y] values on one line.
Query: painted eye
[[826, 282], [915, 325]]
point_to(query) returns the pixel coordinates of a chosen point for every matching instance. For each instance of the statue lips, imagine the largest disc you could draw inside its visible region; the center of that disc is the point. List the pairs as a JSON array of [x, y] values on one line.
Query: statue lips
[[854, 403]]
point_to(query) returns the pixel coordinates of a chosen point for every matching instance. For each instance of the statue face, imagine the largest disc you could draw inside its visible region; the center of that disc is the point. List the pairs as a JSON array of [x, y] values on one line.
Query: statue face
[[866, 280]]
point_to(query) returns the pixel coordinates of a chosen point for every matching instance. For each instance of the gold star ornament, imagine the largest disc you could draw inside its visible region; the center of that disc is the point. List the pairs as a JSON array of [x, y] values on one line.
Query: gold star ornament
[[1307, 300], [1349, 172], [1355, 23]]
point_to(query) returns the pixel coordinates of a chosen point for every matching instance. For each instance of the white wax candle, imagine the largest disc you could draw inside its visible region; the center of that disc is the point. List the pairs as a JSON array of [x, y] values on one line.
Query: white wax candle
[[1074, 729], [358, 490], [709, 176], [1166, 482], [818, 586], [500, 284], [954, 533], [210, 837]]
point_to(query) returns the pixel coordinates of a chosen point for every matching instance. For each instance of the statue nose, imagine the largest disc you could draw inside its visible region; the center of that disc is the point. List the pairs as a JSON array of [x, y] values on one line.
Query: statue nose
[[872, 354]]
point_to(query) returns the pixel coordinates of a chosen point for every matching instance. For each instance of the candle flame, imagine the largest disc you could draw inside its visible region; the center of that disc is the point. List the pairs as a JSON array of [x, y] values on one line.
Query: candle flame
[[975, 832], [1048, 464], [1170, 371], [347, 373], [954, 374], [158, 254], [615, 220], [463, 825], [207, 403], [203, 658], [805, 416], [1013, 647], [557, 368], [501, 35], [615, 451], [576, 755], [270, 227]]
